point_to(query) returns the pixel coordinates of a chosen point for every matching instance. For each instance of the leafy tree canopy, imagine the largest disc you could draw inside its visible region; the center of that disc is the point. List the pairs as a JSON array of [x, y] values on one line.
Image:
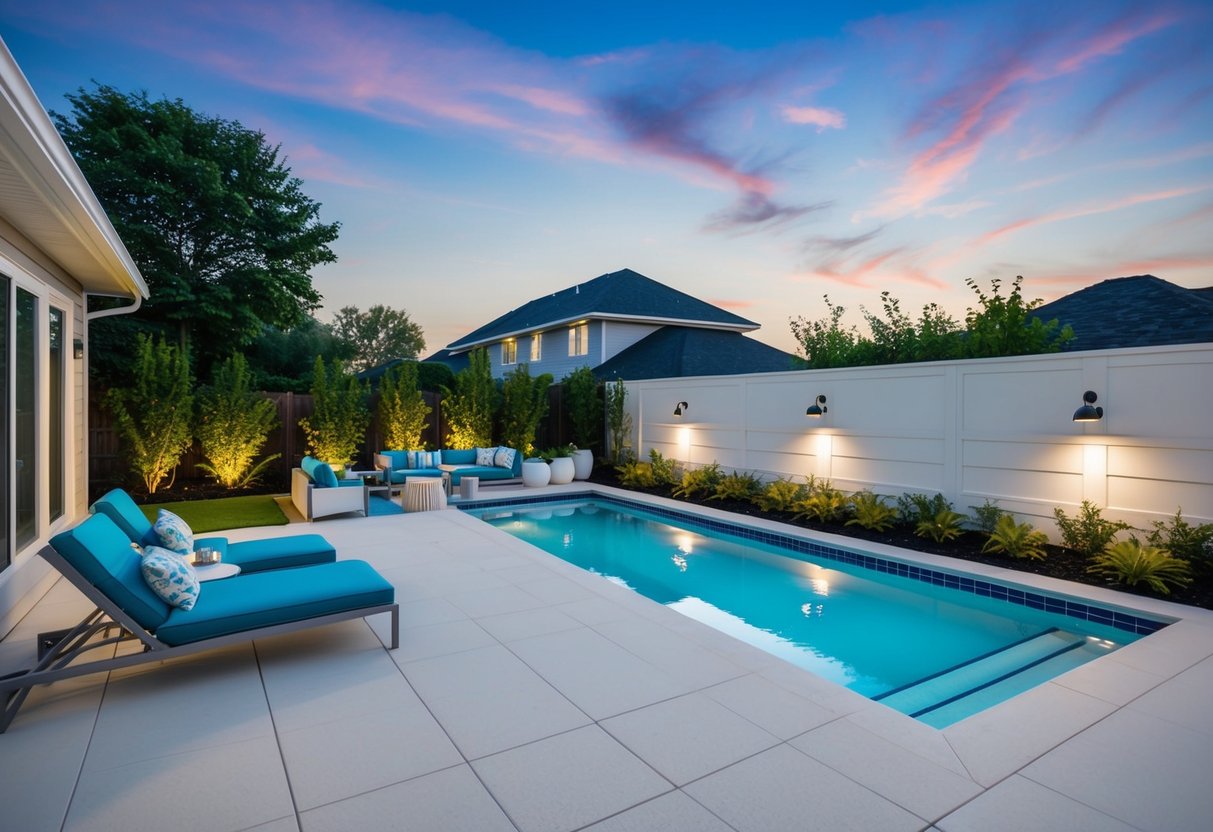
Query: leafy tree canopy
[[282, 360], [378, 335], [211, 214]]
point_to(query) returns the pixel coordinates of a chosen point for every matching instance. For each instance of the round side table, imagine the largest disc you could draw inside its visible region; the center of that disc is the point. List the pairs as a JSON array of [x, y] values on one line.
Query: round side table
[[422, 494]]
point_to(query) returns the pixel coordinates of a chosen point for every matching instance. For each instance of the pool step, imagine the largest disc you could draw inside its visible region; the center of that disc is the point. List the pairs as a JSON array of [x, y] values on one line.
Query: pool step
[[941, 689]]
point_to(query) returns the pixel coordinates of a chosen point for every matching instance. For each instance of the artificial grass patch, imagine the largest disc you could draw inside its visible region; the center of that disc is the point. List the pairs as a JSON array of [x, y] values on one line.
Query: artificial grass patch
[[224, 513]]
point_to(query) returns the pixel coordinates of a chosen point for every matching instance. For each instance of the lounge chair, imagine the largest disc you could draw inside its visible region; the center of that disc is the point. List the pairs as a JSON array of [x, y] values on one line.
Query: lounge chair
[[96, 557], [250, 555], [316, 491]]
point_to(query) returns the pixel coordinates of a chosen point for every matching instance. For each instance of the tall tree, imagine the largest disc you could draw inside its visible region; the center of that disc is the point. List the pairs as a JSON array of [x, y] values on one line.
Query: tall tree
[[524, 403], [403, 413], [470, 407], [211, 214], [378, 335]]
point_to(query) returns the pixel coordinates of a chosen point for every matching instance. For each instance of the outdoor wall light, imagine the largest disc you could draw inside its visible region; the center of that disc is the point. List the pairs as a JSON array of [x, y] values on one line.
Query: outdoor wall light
[[1088, 412], [817, 408], [77, 349], [680, 408]]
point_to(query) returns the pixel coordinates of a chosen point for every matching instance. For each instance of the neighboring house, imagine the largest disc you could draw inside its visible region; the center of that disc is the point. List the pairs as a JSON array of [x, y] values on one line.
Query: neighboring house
[[1140, 311], [623, 321], [57, 247]]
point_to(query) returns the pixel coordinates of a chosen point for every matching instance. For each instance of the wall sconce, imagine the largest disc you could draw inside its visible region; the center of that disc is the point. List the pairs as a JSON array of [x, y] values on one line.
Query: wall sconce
[[817, 408], [77, 349], [1088, 412], [680, 408]]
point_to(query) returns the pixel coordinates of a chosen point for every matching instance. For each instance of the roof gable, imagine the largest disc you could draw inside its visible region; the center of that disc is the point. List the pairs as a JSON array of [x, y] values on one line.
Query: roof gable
[[1138, 311], [622, 295]]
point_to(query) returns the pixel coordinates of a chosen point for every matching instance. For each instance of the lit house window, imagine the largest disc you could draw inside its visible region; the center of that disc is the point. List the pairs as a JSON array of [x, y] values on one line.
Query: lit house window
[[509, 352], [579, 339], [537, 346]]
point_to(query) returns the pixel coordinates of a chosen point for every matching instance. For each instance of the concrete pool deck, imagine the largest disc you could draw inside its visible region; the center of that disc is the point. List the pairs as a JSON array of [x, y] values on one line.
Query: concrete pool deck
[[530, 695]]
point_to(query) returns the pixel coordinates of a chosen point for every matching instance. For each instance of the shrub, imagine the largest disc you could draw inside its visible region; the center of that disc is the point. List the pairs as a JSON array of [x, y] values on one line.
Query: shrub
[[699, 481], [987, 515], [1183, 540], [635, 474], [824, 504], [469, 408], [1087, 533], [619, 421], [402, 407], [941, 526], [339, 417], [665, 471], [871, 512], [1130, 563], [737, 486], [233, 424], [1006, 326], [913, 508], [524, 403], [780, 495], [1019, 540], [584, 407], [154, 415]]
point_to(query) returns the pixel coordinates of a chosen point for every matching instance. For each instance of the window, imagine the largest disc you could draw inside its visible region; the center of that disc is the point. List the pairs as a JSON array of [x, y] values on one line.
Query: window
[[509, 352], [579, 339], [537, 346]]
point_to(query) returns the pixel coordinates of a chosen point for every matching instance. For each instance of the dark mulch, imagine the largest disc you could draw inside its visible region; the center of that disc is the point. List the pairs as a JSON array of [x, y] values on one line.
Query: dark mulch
[[185, 490], [1064, 564]]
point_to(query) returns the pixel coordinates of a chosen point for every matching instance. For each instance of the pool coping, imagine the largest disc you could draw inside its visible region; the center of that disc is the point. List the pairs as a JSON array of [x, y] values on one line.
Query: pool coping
[[994, 743]]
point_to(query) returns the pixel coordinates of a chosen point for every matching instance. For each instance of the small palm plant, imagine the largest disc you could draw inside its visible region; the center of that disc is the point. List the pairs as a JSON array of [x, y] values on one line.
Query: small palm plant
[[1019, 540], [1130, 563], [941, 526], [871, 512]]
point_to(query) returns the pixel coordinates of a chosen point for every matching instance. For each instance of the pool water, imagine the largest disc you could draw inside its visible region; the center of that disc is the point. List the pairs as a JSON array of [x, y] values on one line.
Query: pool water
[[932, 652]]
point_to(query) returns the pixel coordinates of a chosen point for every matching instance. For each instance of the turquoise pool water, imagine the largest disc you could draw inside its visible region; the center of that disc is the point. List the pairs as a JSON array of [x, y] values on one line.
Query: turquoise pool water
[[909, 640]]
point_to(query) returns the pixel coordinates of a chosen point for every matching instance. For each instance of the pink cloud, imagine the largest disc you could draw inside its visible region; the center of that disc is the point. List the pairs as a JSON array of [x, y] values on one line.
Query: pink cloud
[[819, 117], [1158, 266], [731, 304]]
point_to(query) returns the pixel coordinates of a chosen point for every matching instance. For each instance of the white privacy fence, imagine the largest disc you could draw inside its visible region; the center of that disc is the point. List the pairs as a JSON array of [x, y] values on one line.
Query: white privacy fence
[[990, 428]]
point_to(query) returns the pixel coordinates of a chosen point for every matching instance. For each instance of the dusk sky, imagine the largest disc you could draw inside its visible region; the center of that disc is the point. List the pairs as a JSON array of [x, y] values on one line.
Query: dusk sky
[[756, 155]]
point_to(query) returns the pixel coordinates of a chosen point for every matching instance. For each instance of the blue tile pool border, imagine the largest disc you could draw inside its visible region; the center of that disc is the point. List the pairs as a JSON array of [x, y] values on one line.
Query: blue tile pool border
[[1117, 618]]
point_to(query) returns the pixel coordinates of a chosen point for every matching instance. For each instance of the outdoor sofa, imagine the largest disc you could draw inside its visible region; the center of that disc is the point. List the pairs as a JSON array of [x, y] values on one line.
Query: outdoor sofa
[[96, 556], [316, 491], [396, 466], [250, 555]]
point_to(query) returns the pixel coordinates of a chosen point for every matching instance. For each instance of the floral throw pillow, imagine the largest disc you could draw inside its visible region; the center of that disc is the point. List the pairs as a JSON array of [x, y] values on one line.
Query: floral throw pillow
[[174, 533], [504, 458], [170, 577], [484, 457]]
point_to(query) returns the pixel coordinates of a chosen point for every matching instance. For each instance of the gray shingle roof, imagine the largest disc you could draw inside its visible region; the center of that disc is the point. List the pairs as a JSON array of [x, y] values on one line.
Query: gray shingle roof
[[1139, 311], [622, 294], [676, 351]]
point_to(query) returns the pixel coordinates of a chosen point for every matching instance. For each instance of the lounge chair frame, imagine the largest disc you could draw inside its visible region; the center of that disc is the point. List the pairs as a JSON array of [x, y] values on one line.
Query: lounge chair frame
[[55, 664]]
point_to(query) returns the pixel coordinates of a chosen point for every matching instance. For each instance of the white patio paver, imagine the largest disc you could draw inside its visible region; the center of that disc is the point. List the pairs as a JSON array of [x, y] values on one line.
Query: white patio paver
[[529, 695]]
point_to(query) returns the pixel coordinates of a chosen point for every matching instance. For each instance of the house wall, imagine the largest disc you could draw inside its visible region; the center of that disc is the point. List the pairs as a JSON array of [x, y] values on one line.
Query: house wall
[[619, 335], [556, 359], [992, 428], [27, 578]]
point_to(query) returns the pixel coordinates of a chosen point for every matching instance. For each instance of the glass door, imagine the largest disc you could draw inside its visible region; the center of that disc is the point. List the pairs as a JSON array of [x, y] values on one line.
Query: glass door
[[6, 470]]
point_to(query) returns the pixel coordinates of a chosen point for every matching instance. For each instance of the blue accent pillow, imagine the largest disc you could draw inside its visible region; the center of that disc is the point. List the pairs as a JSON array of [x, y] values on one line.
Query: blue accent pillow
[[484, 457], [169, 576], [400, 459], [324, 477], [174, 533], [424, 459], [504, 458]]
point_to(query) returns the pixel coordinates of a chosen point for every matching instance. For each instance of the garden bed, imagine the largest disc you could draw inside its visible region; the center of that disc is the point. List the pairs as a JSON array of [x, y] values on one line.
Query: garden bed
[[1061, 563]]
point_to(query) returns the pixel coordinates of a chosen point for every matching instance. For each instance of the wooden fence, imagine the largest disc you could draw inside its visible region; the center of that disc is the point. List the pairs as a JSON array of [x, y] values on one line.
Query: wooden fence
[[107, 467]]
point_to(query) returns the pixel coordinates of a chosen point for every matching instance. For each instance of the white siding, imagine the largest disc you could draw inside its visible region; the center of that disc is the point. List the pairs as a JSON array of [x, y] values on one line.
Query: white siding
[[619, 336]]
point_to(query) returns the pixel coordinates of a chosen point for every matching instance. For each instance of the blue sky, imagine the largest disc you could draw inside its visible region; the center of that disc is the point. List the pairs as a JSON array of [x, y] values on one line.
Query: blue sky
[[759, 156]]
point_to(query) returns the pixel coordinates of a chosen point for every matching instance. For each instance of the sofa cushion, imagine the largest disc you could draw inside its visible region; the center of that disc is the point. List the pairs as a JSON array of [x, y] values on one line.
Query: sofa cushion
[[101, 552], [320, 473], [118, 506], [504, 458], [170, 577], [399, 459], [466, 456], [279, 552], [420, 460], [484, 456], [174, 533], [263, 599]]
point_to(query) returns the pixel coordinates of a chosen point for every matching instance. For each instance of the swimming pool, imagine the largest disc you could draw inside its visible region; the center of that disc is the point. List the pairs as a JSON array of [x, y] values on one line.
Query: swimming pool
[[936, 645]]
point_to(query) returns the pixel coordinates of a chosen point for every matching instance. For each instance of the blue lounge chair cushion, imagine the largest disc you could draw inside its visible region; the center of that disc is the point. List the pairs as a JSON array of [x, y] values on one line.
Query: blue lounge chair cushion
[[170, 577], [278, 552], [175, 534], [264, 599], [118, 506], [101, 552]]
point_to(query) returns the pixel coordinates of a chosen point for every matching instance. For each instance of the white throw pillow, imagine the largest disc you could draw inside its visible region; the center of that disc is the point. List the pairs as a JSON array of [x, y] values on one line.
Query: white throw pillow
[[484, 457], [504, 458], [174, 533], [170, 577]]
